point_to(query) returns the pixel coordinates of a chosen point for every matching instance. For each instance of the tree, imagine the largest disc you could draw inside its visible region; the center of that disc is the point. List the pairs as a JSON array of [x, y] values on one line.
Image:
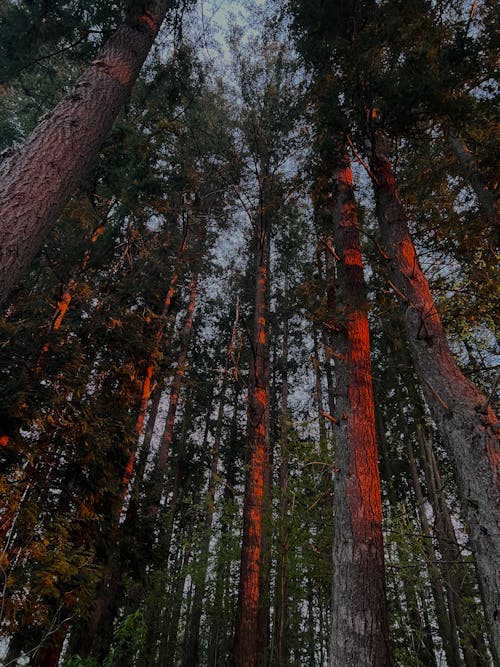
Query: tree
[[38, 179]]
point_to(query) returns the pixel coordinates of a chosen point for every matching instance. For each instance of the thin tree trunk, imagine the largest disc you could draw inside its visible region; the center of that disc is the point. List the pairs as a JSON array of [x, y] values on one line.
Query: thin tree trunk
[[447, 627], [280, 643], [460, 410], [318, 394], [424, 650], [360, 625], [449, 548], [154, 496], [191, 655], [39, 178], [148, 376], [484, 194], [219, 623]]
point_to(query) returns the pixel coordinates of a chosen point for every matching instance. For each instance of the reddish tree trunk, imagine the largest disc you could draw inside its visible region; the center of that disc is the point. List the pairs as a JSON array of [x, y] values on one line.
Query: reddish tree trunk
[[460, 410], [39, 178], [360, 626], [246, 643], [154, 497]]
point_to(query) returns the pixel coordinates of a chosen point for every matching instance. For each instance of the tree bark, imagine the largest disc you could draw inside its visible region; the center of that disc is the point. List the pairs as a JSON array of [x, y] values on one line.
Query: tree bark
[[246, 642], [38, 179], [360, 627], [460, 410]]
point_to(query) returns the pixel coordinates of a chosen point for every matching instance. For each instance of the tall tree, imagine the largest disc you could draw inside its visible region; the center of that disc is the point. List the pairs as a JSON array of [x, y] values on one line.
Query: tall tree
[[360, 624], [40, 176]]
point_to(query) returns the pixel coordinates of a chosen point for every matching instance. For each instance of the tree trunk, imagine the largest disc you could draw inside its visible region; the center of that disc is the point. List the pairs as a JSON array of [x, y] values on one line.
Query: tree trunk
[[192, 648], [461, 412], [449, 548], [246, 643], [280, 643], [360, 626], [219, 633], [484, 194], [154, 496], [39, 178], [447, 627], [148, 376]]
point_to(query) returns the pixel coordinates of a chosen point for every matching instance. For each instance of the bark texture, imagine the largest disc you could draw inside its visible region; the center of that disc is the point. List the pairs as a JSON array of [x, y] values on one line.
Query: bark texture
[[38, 179], [359, 629], [246, 644], [462, 414]]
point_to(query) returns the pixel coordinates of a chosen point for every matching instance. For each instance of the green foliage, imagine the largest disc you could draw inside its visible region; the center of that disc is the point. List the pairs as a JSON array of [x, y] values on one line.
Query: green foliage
[[128, 638], [77, 661]]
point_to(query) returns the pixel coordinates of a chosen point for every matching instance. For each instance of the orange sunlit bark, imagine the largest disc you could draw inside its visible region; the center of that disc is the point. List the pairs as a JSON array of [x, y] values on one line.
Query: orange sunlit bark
[[246, 646], [147, 382], [168, 433], [462, 413], [360, 627]]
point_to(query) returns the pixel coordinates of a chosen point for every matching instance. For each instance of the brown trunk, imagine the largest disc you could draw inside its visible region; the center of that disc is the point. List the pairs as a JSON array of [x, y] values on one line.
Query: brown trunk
[[153, 501], [461, 412], [40, 177], [146, 385], [48, 655], [246, 642], [360, 626]]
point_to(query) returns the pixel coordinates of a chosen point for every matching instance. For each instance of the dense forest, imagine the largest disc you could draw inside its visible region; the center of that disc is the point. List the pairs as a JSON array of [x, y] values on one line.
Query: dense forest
[[249, 299]]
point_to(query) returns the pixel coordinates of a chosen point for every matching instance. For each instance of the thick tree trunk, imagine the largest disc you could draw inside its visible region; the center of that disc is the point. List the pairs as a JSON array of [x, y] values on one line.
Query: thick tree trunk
[[246, 643], [461, 412], [38, 179], [360, 626]]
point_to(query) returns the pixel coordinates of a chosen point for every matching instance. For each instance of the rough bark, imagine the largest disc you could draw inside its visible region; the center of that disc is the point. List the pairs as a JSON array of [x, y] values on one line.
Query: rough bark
[[38, 179], [465, 420], [360, 627], [246, 643]]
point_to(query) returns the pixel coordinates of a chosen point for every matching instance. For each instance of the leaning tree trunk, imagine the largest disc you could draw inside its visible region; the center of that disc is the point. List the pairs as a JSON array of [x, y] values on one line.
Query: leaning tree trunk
[[485, 195], [38, 179], [460, 410], [360, 626]]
